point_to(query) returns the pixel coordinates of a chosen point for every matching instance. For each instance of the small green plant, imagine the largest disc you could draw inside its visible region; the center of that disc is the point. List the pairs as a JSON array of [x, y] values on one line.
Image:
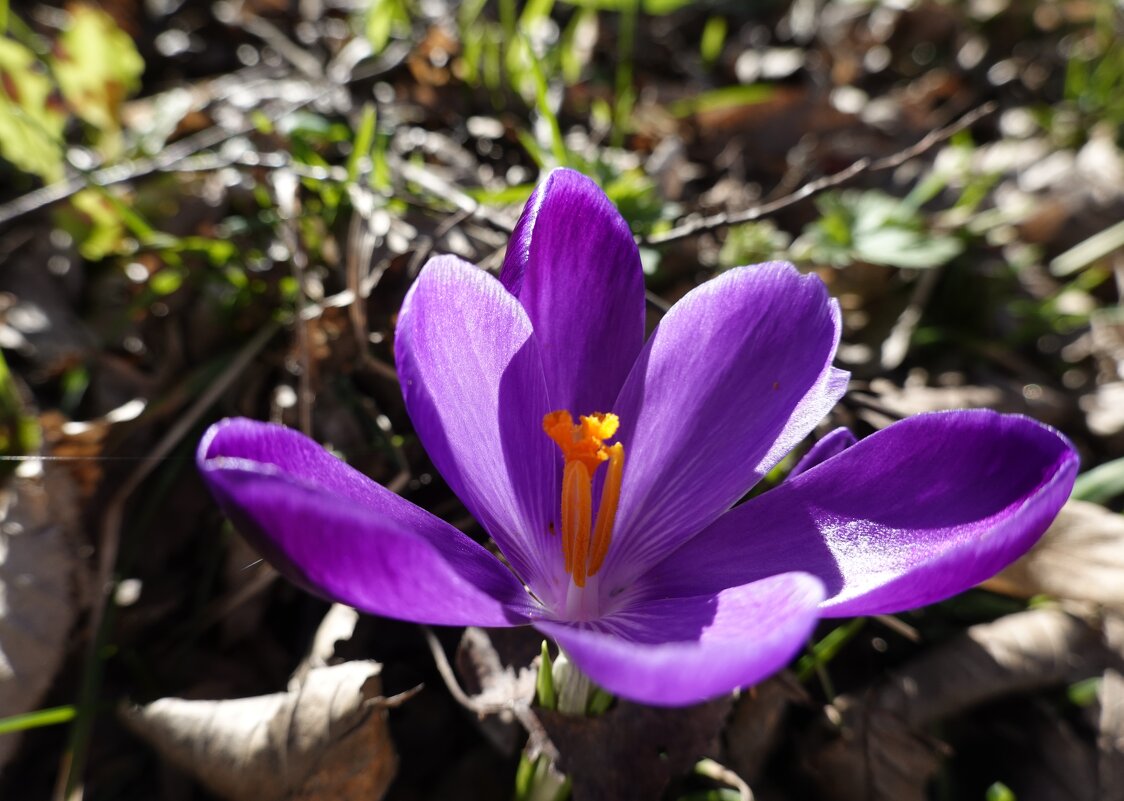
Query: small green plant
[[876, 228]]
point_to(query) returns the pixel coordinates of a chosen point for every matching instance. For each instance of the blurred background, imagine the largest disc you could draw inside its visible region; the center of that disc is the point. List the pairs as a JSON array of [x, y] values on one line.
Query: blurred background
[[215, 208]]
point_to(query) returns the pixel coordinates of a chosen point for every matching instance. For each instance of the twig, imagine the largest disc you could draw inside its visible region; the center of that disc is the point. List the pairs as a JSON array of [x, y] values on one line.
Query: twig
[[441, 661], [899, 627], [122, 173], [863, 165]]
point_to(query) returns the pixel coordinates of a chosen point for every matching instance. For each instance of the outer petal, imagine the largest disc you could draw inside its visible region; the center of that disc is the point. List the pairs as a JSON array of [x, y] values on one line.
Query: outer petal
[[831, 444], [337, 533], [574, 266], [738, 372], [473, 383], [922, 510], [677, 651]]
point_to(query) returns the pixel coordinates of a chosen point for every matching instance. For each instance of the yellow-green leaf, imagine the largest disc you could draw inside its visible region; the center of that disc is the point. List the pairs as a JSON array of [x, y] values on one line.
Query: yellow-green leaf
[[31, 121], [97, 66]]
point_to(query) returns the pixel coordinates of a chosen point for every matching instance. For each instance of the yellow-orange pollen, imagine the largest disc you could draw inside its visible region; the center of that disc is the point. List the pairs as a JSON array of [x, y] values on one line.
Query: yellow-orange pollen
[[584, 541]]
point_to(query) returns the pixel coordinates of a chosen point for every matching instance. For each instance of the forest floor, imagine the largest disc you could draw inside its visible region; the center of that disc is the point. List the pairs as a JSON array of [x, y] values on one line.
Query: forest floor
[[216, 209]]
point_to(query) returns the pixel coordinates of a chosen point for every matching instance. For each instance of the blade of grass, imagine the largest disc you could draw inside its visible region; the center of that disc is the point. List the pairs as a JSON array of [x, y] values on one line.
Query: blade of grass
[[622, 111], [542, 105], [37, 719], [1102, 483], [826, 649]]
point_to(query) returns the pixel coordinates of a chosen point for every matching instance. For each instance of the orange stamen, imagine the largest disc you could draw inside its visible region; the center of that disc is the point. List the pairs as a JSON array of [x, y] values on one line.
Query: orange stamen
[[583, 450], [577, 504], [607, 511]]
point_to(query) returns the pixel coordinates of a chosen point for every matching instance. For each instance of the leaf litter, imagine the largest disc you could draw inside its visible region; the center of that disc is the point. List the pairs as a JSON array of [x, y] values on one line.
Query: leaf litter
[[154, 251]]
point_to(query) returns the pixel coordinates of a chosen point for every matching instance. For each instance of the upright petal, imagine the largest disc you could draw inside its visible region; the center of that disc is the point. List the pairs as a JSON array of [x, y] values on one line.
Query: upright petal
[[574, 266], [340, 535], [922, 510], [473, 384], [678, 651], [736, 374], [831, 444]]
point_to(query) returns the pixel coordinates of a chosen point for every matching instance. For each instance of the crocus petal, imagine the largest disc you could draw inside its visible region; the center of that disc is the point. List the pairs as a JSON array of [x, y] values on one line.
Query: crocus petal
[[920, 511], [677, 651], [335, 532], [736, 374], [574, 266], [831, 444], [473, 383]]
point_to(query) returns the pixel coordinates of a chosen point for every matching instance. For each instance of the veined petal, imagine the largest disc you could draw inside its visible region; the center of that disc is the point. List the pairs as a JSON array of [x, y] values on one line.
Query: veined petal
[[913, 514], [340, 535], [574, 266], [678, 651], [831, 444], [736, 374], [473, 384]]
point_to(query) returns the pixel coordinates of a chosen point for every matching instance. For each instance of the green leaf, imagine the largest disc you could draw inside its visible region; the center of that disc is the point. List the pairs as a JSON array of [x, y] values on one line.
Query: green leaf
[[97, 66], [385, 18], [654, 7], [1102, 483], [37, 719], [364, 138], [999, 792], [94, 223], [713, 38], [1084, 693], [544, 684], [827, 648], [725, 97], [31, 119]]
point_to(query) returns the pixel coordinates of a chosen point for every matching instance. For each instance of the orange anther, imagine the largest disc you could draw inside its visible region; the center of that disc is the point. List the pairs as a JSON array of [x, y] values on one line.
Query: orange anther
[[583, 449]]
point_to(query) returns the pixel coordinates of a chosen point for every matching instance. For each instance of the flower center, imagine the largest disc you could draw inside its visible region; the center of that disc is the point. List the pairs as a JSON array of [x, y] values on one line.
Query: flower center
[[585, 542]]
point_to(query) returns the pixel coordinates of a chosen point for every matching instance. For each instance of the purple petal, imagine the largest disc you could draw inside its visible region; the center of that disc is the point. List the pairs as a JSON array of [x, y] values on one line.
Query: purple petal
[[473, 383], [831, 444], [736, 374], [922, 510], [677, 651], [574, 266], [340, 535]]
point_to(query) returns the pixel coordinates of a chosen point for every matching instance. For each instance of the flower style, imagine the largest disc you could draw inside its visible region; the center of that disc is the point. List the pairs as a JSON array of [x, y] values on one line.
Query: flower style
[[608, 469]]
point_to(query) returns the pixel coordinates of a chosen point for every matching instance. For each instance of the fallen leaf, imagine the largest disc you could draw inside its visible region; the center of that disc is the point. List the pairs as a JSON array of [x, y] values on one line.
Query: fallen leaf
[[1110, 736], [757, 724], [631, 752], [872, 745], [1080, 558], [327, 737], [40, 587], [496, 670]]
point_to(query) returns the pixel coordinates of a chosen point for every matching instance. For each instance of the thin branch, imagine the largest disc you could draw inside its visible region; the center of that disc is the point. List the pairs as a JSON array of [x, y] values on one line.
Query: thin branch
[[863, 165], [169, 158], [441, 661]]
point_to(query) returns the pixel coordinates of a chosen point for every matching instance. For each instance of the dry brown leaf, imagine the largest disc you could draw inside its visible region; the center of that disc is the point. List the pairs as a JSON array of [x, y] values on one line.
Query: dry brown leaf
[[337, 626], [326, 738], [1110, 736], [497, 670], [632, 752], [875, 749], [869, 754], [40, 577], [1080, 558], [757, 723]]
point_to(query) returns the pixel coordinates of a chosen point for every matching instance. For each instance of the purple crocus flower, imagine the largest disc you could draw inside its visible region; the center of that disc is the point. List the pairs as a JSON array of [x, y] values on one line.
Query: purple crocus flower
[[608, 469]]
